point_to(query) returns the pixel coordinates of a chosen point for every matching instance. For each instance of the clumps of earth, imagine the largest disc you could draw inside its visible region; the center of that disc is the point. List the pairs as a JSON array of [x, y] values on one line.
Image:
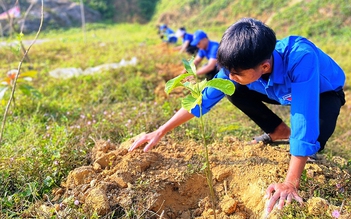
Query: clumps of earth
[[168, 182]]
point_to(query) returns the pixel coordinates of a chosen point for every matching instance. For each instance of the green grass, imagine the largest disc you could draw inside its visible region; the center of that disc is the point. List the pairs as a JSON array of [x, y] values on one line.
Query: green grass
[[46, 138]]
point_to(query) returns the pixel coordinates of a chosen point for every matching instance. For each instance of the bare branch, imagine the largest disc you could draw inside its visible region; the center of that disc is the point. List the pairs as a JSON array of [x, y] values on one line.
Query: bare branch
[[19, 71]]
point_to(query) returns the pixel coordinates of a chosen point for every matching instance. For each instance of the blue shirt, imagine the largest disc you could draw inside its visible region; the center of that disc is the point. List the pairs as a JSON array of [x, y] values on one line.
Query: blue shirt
[[188, 37], [169, 33], [210, 52], [301, 71]]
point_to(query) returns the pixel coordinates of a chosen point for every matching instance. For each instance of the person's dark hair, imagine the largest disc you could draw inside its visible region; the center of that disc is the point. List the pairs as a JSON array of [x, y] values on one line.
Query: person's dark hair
[[182, 28], [245, 44]]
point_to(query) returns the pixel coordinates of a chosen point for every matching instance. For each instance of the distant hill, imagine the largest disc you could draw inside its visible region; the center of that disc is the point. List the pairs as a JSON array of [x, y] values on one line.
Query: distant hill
[[313, 18]]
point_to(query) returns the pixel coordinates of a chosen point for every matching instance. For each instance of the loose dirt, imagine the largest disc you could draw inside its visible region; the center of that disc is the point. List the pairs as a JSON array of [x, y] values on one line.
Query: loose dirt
[[168, 181]]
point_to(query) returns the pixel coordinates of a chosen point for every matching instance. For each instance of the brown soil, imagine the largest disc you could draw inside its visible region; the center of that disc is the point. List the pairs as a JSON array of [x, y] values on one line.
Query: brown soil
[[168, 183]]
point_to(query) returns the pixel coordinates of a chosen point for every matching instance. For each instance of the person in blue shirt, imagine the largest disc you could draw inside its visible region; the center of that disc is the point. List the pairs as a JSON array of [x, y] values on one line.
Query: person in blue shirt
[[167, 34], [187, 38], [207, 49], [291, 71]]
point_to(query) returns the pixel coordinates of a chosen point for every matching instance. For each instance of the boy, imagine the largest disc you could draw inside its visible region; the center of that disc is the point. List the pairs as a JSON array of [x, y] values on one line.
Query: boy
[[167, 34], [187, 38], [291, 71], [207, 49]]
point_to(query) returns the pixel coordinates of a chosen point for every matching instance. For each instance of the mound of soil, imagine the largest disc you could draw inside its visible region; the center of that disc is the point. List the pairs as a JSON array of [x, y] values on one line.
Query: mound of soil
[[168, 181]]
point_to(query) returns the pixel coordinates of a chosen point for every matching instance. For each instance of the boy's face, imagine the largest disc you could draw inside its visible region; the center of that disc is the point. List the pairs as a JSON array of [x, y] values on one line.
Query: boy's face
[[248, 76], [245, 77], [203, 43]]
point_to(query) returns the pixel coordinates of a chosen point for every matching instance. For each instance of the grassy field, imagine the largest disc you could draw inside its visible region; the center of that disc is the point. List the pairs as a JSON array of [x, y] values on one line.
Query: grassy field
[[44, 138]]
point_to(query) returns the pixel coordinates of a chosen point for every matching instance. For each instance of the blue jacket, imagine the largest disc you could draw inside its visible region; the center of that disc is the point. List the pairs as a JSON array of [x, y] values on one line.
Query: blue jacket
[[301, 71]]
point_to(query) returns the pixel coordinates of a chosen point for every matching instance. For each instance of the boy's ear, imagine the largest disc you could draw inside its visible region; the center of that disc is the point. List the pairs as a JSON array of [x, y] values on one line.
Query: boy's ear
[[266, 65]]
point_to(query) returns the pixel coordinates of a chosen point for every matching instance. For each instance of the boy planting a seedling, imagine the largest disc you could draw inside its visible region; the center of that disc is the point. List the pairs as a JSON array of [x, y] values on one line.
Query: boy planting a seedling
[[207, 49], [291, 71], [187, 38], [166, 34]]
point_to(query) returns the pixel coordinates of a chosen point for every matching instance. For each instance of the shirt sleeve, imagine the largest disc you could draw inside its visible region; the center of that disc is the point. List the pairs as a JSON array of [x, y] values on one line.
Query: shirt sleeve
[[201, 53], [305, 92], [187, 37]]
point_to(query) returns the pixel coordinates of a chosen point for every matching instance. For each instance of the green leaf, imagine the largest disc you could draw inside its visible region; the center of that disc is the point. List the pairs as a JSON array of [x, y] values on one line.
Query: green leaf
[[224, 85], [204, 166], [175, 82], [25, 89], [28, 74], [29, 90], [189, 86], [3, 91], [202, 85], [189, 66], [189, 102], [195, 92], [20, 36]]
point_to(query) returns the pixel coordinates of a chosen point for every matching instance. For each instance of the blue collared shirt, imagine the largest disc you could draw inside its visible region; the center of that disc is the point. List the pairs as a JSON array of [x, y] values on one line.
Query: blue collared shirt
[[169, 33], [301, 72], [188, 37], [210, 52]]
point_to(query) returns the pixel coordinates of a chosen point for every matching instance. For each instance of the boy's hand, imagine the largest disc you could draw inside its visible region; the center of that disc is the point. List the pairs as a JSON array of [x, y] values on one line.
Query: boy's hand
[[149, 140], [284, 192]]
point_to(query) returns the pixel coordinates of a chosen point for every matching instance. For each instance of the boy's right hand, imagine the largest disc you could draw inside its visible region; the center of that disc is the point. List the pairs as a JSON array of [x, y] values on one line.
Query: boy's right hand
[[149, 140]]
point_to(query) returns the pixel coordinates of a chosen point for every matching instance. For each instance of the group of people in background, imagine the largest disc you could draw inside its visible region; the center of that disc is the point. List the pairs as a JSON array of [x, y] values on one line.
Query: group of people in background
[[197, 44]]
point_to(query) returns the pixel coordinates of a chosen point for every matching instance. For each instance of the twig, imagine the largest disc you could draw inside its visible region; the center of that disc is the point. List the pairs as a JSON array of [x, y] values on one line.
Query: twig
[[161, 215], [26, 14], [18, 72], [83, 19], [342, 205], [10, 19], [24, 21], [154, 213]]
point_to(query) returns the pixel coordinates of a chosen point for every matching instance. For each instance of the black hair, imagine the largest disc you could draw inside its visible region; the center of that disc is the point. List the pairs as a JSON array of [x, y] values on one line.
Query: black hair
[[182, 28], [245, 44]]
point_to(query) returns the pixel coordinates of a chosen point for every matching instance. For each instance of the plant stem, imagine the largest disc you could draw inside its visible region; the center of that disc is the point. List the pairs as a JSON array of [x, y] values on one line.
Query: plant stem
[[12, 97], [208, 171]]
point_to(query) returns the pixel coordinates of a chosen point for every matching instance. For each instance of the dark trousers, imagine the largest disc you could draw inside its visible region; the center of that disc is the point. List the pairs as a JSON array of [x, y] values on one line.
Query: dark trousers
[[191, 50], [253, 105], [212, 73]]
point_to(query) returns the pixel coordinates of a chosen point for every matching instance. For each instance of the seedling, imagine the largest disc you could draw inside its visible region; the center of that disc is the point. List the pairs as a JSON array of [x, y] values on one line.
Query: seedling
[[195, 98]]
